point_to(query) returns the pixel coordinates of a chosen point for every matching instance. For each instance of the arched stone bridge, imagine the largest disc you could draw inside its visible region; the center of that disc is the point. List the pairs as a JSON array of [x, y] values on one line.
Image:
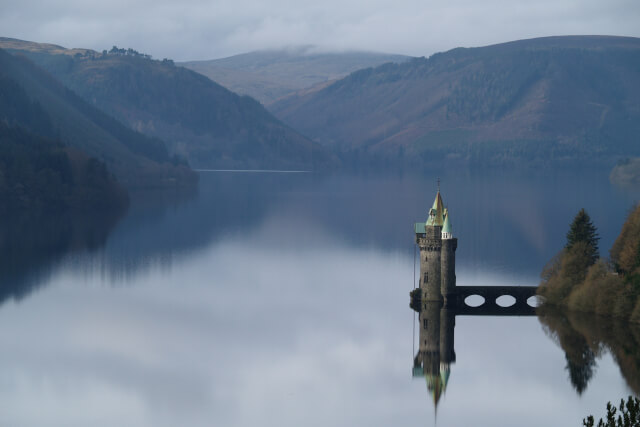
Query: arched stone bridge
[[490, 294]]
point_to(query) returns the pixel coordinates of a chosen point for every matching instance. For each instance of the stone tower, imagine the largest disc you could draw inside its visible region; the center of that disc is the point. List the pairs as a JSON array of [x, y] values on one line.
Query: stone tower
[[437, 255]]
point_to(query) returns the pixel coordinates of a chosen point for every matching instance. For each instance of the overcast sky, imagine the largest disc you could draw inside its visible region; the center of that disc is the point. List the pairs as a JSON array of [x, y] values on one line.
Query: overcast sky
[[207, 29]]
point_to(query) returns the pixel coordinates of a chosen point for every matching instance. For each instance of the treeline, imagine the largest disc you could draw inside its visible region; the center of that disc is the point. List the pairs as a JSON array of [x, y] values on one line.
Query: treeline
[[116, 51], [127, 52], [578, 279]]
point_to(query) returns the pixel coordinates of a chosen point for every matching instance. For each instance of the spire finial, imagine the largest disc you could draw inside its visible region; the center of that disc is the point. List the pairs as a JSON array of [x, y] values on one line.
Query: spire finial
[[438, 184]]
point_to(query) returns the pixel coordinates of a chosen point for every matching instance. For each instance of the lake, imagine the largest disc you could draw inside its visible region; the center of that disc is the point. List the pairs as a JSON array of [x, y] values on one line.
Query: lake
[[282, 299]]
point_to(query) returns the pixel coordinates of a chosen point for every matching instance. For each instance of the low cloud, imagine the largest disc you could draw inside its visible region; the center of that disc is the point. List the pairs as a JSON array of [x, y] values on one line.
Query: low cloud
[[198, 29]]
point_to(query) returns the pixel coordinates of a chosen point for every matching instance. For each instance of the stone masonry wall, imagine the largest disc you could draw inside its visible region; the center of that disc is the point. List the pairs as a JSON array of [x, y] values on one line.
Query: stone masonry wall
[[448, 271], [430, 260]]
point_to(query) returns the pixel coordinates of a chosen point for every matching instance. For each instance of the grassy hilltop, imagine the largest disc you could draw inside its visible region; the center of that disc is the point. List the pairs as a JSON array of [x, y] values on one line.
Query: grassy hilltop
[[268, 75]]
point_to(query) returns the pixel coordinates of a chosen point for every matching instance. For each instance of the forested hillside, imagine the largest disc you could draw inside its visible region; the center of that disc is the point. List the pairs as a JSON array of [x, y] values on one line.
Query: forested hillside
[[38, 103], [40, 174], [199, 119], [535, 102], [37, 172]]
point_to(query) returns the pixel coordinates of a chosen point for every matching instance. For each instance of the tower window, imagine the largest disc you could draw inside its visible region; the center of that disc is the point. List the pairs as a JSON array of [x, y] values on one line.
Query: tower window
[[424, 323], [425, 278]]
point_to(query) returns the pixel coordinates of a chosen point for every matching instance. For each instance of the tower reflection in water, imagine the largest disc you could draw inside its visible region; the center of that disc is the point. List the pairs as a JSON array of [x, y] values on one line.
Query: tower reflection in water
[[436, 351], [583, 337], [439, 299]]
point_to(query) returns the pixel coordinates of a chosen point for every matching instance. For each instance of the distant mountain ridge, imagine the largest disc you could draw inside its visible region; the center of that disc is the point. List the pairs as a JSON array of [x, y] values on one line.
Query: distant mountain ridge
[[197, 118], [268, 75], [568, 98]]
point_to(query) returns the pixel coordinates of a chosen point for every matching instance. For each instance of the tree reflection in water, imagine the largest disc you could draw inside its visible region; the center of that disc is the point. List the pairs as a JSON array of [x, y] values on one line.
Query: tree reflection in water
[[31, 246], [585, 337]]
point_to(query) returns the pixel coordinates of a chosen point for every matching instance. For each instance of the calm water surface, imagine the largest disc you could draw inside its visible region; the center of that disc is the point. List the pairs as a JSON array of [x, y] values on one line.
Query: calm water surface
[[282, 300]]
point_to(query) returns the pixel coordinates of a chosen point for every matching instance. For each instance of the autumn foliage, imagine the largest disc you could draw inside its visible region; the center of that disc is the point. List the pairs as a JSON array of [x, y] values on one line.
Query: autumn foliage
[[577, 280], [625, 252]]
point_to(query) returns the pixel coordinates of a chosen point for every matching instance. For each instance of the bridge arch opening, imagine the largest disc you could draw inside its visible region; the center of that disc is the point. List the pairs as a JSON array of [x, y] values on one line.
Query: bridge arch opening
[[505, 301], [474, 300], [534, 301]]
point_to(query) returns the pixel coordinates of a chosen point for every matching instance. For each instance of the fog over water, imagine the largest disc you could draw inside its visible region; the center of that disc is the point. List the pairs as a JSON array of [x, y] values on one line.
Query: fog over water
[[283, 299]]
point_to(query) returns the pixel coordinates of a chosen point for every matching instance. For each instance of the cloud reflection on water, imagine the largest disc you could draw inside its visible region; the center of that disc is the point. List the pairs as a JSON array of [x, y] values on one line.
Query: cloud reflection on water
[[274, 301], [250, 331]]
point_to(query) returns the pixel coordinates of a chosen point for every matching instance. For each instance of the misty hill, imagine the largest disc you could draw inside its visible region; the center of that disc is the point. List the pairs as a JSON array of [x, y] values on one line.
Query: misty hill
[[534, 101], [199, 119], [271, 74], [39, 104]]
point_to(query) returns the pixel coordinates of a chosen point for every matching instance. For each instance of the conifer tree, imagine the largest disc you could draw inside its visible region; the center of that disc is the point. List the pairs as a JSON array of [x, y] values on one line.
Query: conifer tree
[[628, 415], [583, 230]]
